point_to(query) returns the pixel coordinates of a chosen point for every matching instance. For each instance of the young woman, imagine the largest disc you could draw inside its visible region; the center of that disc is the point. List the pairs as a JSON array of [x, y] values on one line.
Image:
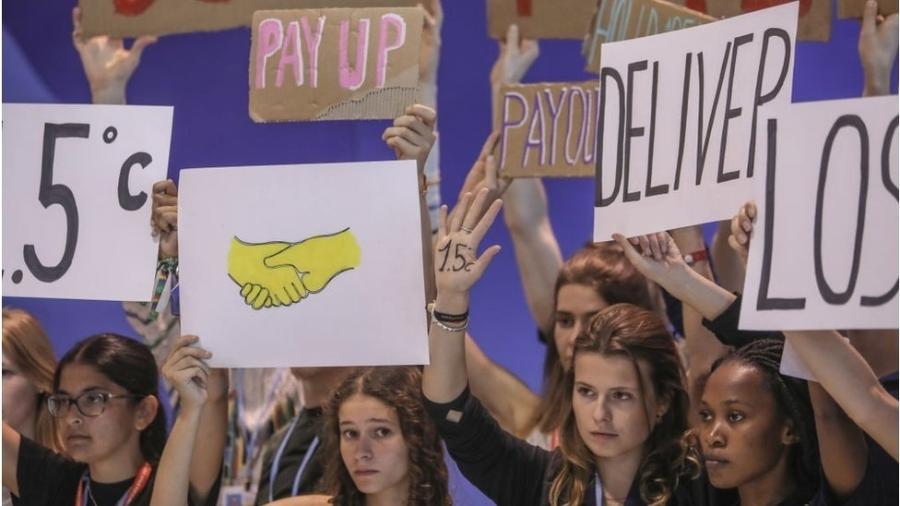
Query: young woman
[[622, 436], [108, 414], [390, 453]]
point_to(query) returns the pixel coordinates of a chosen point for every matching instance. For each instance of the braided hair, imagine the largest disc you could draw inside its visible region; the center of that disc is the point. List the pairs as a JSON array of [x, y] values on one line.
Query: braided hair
[[792, 398]]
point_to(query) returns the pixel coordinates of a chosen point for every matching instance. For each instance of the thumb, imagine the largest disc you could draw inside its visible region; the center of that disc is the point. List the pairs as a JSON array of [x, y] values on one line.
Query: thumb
[[512, 38], [140, 44], [630, 253], [870, 11], [485, 259]]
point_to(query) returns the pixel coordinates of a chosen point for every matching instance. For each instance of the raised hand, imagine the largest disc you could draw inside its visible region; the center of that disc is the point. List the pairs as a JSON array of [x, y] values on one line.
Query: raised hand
[[319, 259], [741, 227], [877, 49], [656, 256], [516, 57], [430, 48], [456, 265], [186, 370], [485, 173], [107, 64], [164, 217], [412, 134], [263, 286]]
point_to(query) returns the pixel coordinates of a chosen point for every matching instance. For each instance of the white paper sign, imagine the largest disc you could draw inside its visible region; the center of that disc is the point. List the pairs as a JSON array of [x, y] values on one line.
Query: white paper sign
[[677, 115], [304, 265], [824, 251], [77, 184]]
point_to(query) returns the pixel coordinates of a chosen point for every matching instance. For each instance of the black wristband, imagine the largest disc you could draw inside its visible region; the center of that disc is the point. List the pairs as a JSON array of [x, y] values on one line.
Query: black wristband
[[450, 318]]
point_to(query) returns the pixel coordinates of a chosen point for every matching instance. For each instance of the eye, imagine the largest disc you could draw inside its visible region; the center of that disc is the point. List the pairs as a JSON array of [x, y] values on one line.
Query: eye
[[94, 398], [735, 416], [564, 320], [349, 434], [620, 395], [7, 373], [705, 415], [585, 392], [382, 432]]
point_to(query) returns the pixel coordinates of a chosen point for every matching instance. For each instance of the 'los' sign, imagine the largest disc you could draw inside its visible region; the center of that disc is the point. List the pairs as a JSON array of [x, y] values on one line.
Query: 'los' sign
[[678, 120], [547, 129], [824, 249], [321, 64]]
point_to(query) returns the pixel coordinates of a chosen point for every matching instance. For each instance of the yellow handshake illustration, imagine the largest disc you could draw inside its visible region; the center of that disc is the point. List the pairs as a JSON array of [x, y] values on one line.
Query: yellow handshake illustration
[[273, 274]]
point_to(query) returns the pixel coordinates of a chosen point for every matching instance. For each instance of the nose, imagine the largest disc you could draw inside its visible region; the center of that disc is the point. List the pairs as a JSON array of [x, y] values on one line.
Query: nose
[[72, 416], [602, 412], [715, 438], [363, 449]]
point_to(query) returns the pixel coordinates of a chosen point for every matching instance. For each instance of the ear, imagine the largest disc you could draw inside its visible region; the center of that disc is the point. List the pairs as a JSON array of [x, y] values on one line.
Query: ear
[[663, 404], [145, 412], [789, 434]]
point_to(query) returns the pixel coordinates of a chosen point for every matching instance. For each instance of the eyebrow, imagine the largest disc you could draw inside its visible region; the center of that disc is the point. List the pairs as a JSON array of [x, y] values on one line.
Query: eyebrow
[[617, 387], [88, 389]]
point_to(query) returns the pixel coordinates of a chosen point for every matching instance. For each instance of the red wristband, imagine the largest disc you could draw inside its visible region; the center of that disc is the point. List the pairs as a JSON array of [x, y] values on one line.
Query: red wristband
[[696, 256]]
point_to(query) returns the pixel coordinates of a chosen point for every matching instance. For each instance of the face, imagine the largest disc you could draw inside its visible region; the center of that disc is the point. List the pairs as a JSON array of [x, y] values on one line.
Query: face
[[575, 305], [114, 432], [741, 432], [19, 398], [610, 410], [372, 445]]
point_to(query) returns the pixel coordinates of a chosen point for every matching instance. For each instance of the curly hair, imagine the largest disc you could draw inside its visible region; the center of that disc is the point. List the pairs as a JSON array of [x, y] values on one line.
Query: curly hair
[[400, 388], [637, 334], [792, 398], [605, 269]]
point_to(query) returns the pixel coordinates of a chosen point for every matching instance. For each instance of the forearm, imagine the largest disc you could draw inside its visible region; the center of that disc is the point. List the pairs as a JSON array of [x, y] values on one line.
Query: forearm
[[111, 93], [844, 374], [172, 483], [878, 348], [11, 440], [444, 379], [506, 398], [207, 454], [703, 295], [842, 446]]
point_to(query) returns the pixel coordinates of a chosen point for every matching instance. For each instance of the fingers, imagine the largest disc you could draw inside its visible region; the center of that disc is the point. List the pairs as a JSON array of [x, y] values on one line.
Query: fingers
[[426, 114], [490, 173], [490, 144], [645, 245], [629, 247], [475, 211], [870, 12], [166, 186], [530, 50], [485, 259], [142, 42], [77, 32], [442, 222], [486, 221], [655, 247], [456, 217], [420, 125], [512, 38], [416, 140]]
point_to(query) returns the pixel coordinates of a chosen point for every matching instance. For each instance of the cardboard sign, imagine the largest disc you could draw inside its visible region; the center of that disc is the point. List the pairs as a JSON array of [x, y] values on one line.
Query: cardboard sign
[[815, 15], [678, 120], [77, 181], [855, 8], [304, 265], [547, 130], [824, 251], [130, 18], [541, 19], [332, 64], [629, 19]]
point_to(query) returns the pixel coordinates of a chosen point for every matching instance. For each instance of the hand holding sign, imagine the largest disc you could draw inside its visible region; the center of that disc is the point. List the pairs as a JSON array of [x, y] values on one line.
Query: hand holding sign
[[107, 64], [877, 49], [742, 229], [412, 134], [164, 217], [515, 58]]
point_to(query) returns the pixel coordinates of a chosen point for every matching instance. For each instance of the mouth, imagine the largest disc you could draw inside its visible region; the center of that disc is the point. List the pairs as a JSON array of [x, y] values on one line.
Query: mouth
[[365, 472], [77, 439], [714, 461], [603, 435]]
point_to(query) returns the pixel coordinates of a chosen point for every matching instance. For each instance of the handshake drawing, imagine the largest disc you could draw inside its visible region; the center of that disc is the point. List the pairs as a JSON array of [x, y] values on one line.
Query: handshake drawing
[[273, 274]]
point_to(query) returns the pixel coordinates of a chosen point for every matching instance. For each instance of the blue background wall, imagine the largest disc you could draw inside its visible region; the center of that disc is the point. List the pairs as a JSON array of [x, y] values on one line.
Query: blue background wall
[[204, 75]]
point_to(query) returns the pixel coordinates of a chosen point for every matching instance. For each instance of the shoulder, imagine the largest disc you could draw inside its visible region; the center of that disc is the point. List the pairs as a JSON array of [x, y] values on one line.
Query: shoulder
[[306, 500]]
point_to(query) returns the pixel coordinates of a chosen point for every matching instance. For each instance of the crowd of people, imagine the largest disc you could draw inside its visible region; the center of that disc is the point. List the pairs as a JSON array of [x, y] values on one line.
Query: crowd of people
[[652, 395]]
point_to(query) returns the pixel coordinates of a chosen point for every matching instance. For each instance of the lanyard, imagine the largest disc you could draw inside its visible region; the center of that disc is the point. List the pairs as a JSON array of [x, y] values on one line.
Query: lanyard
[[137, 485], [598, 490], [273, 472]]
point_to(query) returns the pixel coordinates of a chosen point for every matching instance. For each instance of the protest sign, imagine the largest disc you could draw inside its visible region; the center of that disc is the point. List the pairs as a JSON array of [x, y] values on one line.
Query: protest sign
[[618, 20], [855, 8], [814, 22], [678, 120], [541, 19], [77, 181], [547, 130], [330, 64], [304, 265], [131, 18], [824, 251]]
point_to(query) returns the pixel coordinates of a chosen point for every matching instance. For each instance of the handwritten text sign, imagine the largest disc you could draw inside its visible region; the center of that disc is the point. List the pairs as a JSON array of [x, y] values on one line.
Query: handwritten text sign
[[313, 267], [855, 8], [824, 252], [130, 18], [678, 120], [548, 129], [814, 22], [334, 63], [541, 19], [618, 20], [77, 181]]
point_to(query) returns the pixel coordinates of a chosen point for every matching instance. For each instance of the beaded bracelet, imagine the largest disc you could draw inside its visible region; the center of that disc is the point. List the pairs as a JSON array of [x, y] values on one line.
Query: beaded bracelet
[[447, 328]]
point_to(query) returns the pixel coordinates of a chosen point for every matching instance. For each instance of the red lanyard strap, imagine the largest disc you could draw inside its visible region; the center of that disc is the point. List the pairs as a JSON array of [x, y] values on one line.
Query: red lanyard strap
[[137, 486]]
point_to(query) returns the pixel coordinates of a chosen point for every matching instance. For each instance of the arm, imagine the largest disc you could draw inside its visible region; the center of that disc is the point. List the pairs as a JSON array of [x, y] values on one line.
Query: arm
[[107, 64], [208, 451], [186, 370], [730, 266], [843, 373], [703, 348], [878, 347], [504, 395], [11, 441], [842, 447], [877, 50]]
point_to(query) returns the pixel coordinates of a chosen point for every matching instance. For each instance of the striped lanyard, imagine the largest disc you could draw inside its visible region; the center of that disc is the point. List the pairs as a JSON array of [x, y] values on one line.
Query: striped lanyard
[[273, 472], [137, 485]]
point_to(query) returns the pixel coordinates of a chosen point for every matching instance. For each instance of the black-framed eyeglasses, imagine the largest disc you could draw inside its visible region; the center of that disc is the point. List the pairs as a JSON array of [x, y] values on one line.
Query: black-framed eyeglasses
[[91, 403]]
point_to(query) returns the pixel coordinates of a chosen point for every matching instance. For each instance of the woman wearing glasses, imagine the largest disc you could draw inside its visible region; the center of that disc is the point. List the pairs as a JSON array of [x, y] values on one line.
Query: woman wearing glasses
[[113, 428]]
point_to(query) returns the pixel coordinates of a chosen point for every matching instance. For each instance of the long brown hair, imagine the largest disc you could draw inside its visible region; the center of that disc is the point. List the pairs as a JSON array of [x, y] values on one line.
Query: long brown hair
[[625, 330], [26, 345], [604, 268], [401, 389]]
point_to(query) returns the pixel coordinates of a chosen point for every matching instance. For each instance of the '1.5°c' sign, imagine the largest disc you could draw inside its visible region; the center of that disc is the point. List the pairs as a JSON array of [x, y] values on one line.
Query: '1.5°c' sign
[[77, 181]]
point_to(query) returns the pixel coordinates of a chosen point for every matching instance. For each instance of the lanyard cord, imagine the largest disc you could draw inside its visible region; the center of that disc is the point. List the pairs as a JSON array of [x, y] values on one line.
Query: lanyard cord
[[137, 485], [598, 490], [273, 472]]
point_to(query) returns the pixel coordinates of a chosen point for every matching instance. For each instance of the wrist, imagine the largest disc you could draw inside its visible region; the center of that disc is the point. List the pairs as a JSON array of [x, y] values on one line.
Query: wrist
[[113, 94], [452, 303]]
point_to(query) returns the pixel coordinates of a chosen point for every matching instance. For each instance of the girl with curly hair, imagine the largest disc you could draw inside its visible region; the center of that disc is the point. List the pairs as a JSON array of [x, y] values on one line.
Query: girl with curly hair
[[390, 452]]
